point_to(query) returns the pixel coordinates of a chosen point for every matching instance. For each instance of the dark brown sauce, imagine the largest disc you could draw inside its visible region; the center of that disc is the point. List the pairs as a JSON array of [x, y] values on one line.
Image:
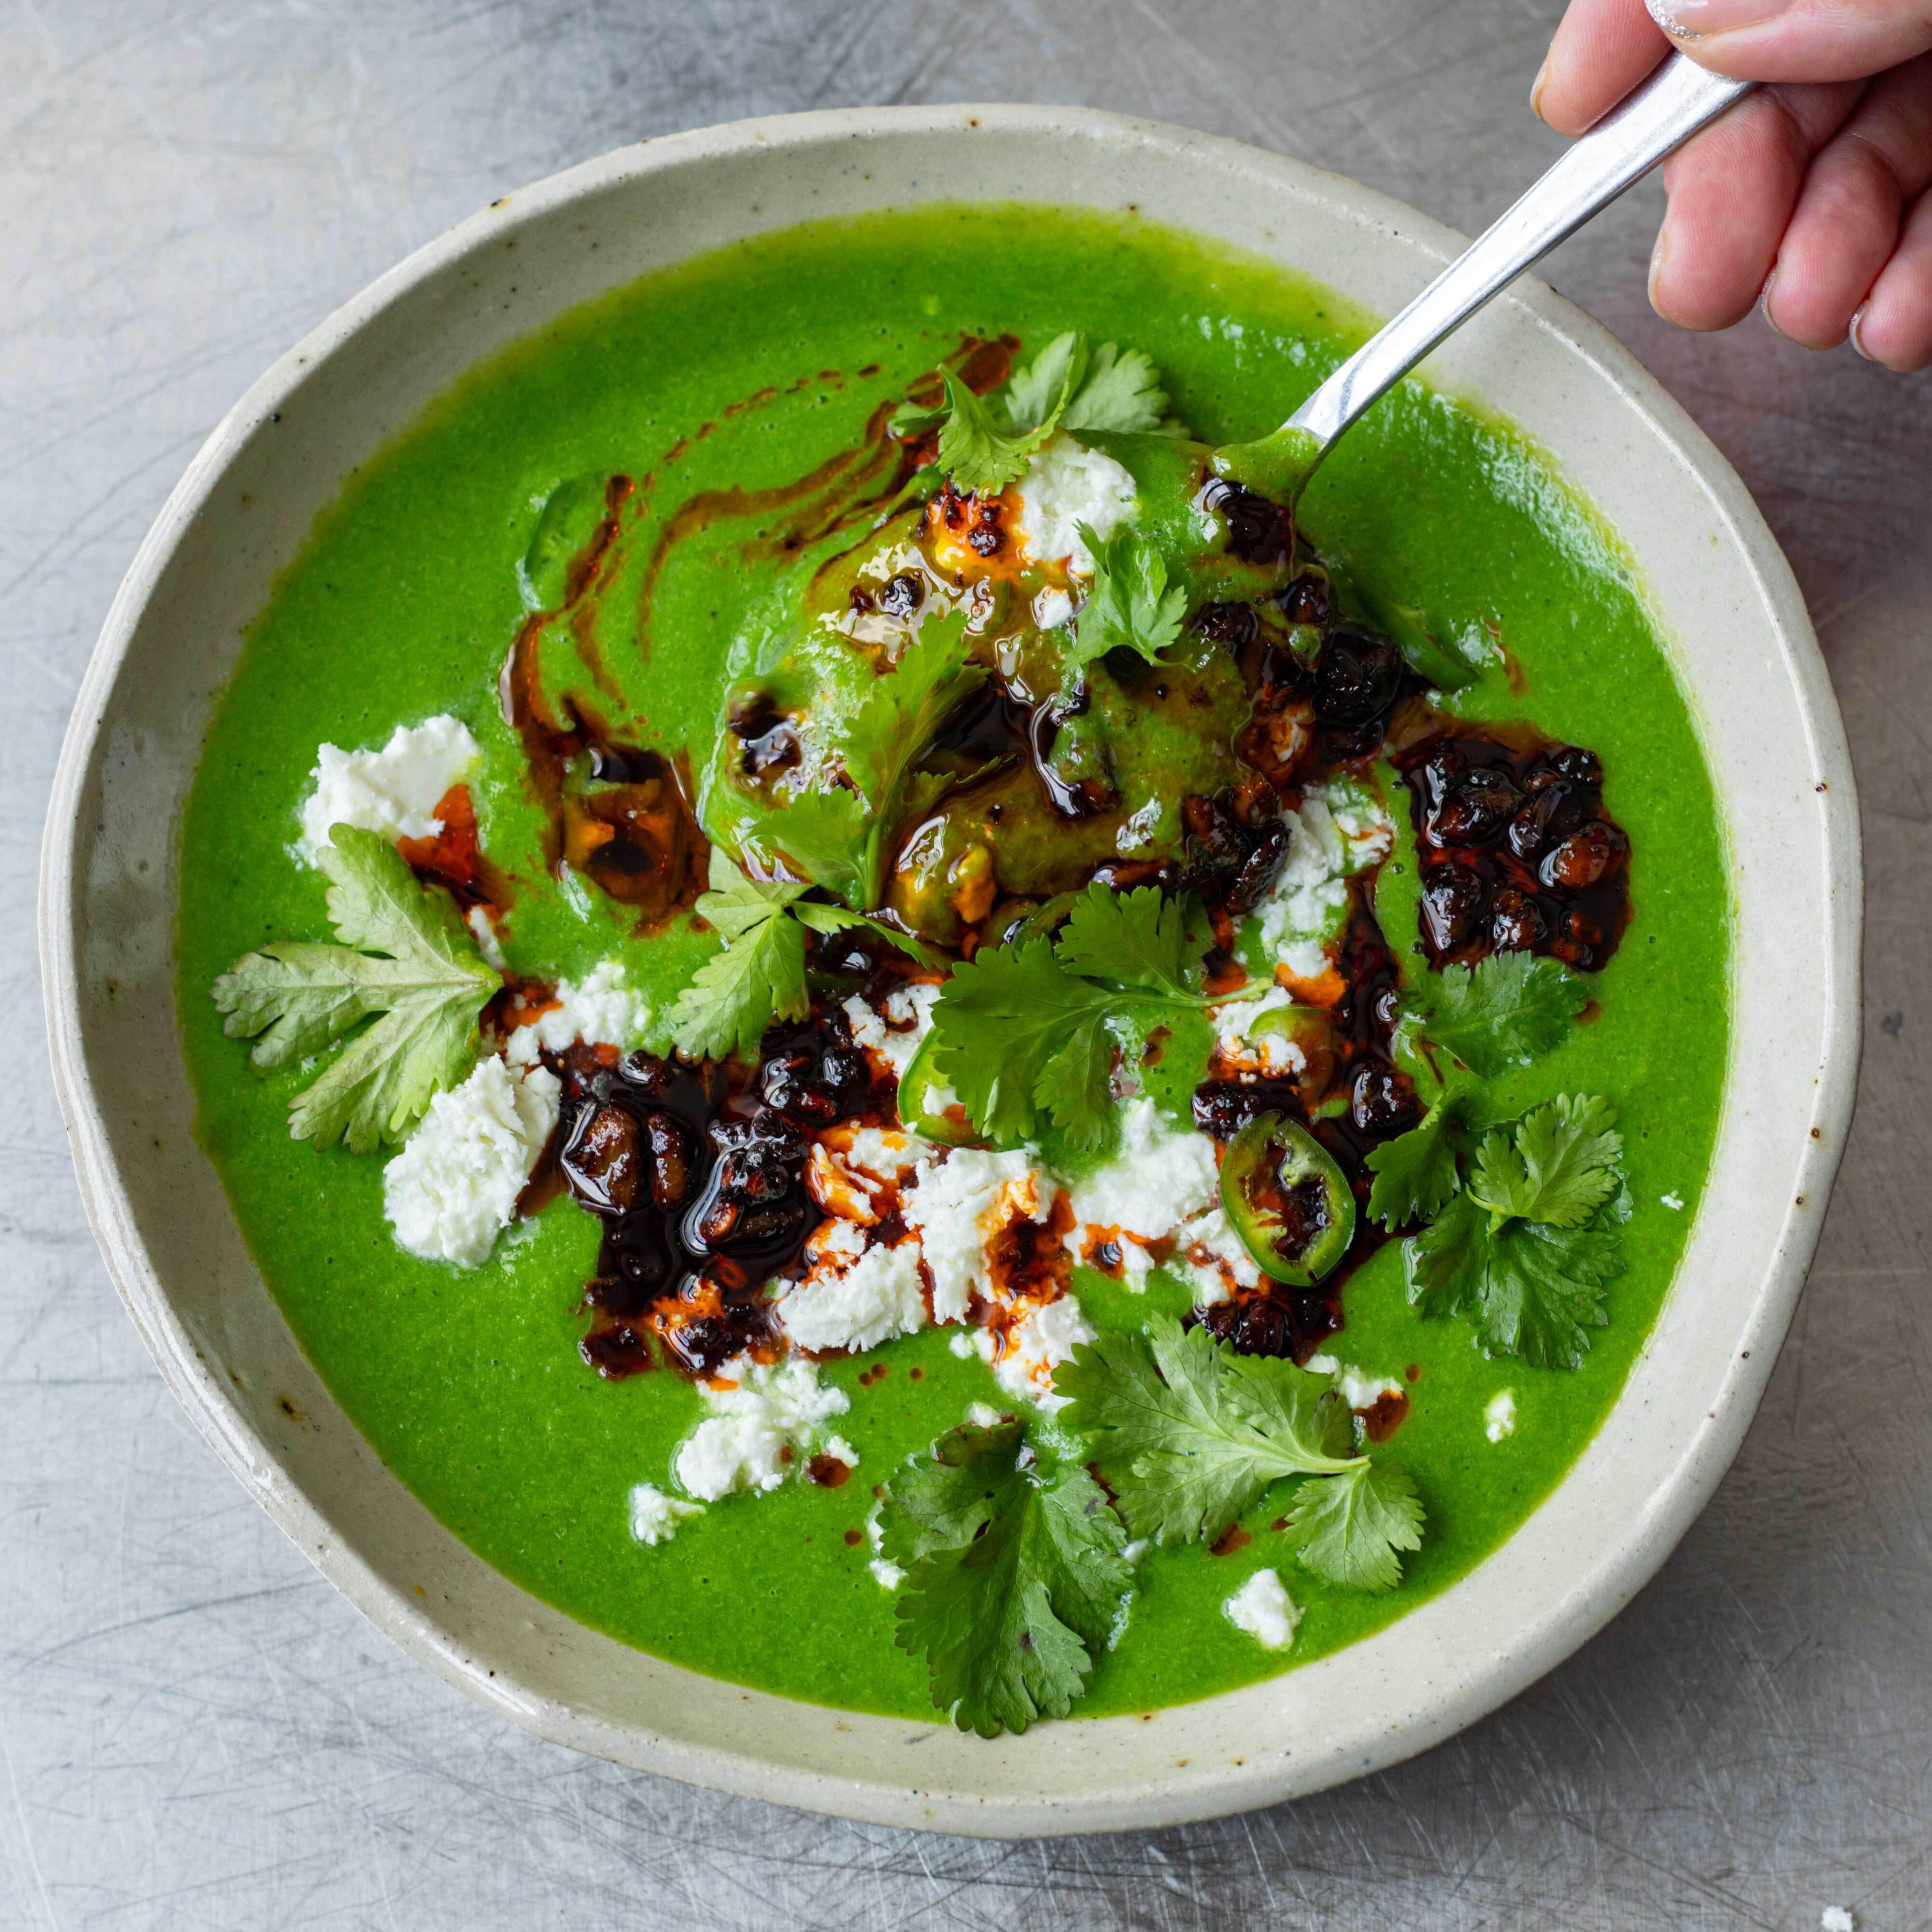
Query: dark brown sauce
[[1517, 853]]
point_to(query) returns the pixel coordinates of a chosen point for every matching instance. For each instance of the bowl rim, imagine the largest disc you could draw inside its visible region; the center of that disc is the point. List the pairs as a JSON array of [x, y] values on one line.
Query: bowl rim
[[253, 1459]]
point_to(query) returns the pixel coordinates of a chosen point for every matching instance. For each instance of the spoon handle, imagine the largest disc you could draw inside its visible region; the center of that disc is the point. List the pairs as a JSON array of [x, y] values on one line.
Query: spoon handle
[[1638, 132]]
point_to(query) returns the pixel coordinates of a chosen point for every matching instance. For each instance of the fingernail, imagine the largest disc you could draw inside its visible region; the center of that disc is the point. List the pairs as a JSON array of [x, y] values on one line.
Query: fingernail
[[1852, 336], [1536, 88], [1764, 305], [1657, 257], [1688, 18]]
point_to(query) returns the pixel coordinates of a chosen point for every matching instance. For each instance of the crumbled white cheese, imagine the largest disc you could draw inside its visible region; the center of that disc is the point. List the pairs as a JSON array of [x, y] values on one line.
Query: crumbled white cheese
[[960, 1344], [1837, 1918], [1134, 1551], [982, 1414], [456, 1180], [655, 1516], [1067, 485], [1052, 608], [600, 1010], [1265, 1052], [840, 1450], [1211, 1237], [1157, 1179], [858, 1305], [1499, 1415], [1339, 830], [959, 1207], [1037, 1346], [741, 1444], [484, 934], [883, 1153], [1208, 1282], [1673, 1201], [394, 791], [895, 1034], [1358, 1389], [887, 1575], [1263, 1608]]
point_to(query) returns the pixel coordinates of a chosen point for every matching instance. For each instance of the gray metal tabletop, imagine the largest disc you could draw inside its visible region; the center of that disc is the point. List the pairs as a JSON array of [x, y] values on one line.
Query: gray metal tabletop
[[196, 1732]]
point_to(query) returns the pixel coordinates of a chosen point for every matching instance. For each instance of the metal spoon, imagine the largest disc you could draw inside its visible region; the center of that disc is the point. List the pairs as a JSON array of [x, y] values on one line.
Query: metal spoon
[[1656, 117]]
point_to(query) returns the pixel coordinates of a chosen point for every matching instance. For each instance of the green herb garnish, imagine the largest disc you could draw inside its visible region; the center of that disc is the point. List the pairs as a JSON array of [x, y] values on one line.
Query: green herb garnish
[[1188, 1435], [1109, 389], [986, 442], [978, 448], [1526, 1250], [841, 838], [1014, 1576], [1130, 606], [1504, 1012], [299, 997], [1415, 1174], [1028, 1029], [760, 975]]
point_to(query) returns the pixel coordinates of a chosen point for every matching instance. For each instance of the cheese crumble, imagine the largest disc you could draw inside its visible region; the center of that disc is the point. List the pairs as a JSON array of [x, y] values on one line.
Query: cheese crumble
[[655, 1516], [394, 792], [743, 1443], [455, 1182], [602, 1010], [1263, 1608], [1067, 484]]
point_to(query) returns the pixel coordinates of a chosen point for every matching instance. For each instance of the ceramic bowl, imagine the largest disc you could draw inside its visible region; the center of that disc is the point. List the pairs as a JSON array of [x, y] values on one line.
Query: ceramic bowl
[[1726, 601]]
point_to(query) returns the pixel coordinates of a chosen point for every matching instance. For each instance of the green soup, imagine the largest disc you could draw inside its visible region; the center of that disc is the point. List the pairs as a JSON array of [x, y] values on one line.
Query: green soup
[[745, 371]]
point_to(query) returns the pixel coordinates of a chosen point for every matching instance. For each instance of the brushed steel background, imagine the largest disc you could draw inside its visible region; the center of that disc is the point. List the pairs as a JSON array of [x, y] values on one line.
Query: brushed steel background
[[196, 1732]]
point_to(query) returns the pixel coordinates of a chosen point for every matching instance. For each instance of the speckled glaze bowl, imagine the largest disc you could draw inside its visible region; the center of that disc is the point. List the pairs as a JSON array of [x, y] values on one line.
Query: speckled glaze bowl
[[1726, 601]]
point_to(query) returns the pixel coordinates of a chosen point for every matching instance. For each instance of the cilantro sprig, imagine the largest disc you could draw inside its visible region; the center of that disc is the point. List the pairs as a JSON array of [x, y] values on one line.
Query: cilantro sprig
[[1526, 1249], [1188, 1434], [1014, 1576], [405, 955], [1503, 1012], [841, 837], [1027, 1032], [760, 975], [986, 442], [1131, 605]]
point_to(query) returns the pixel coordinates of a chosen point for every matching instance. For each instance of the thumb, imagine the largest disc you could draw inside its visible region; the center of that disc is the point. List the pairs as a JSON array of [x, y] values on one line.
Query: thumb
[[1797, 40]]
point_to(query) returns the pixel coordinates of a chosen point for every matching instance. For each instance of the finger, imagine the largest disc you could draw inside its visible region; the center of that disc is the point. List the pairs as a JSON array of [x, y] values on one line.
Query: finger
[[1894, 327], [1602, 48], [1855, 193], [1798, 40], [1731, 191]]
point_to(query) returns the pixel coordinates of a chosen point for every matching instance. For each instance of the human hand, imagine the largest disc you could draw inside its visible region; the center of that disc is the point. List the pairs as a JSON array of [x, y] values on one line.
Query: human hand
[[1811, 192]]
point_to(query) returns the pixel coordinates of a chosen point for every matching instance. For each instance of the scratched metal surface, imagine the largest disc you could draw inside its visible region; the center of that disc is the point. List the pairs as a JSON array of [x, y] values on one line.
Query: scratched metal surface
[[197, 1731]]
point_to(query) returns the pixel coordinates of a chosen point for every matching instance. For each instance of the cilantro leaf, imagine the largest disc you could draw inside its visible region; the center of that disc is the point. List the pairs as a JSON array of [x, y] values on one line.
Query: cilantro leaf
[[1504, 1012], [977, 447], [1559, 1167], [1019, 1035], [1110, 388], [1058, 370], [1188, 1435], [1130, 604], [294, 998], [829, 919], [1523, 1252], [1014, 1576], [1136, 939], [1531, 1290], [1027, 1031], [822, 835], [1415, 1173], [1119, 391], [760, 975], [1348, 1529]]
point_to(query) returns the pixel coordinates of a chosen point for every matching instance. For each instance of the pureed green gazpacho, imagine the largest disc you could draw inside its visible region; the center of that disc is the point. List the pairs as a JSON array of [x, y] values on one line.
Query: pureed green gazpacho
[[908, 1049]]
